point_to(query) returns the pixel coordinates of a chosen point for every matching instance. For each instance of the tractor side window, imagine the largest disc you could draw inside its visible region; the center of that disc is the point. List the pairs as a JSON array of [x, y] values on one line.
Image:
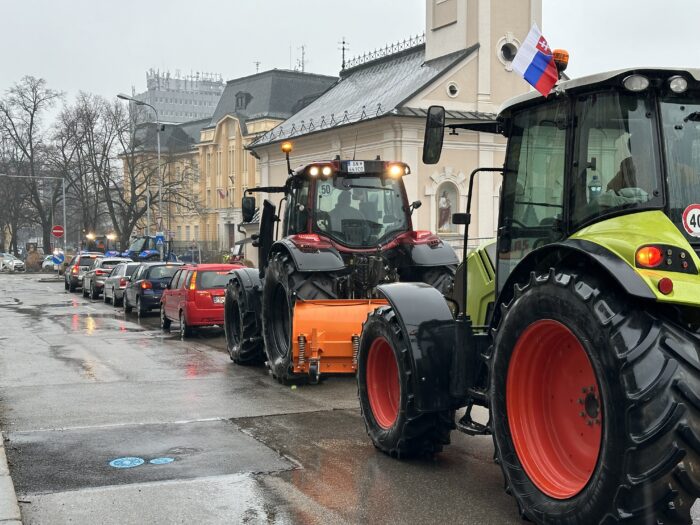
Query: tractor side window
[[297, 210], [615, 162], [533, 188]]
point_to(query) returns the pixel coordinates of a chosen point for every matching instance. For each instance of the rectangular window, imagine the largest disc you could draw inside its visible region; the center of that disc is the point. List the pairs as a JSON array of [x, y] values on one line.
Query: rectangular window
[[533, 188], [208, 198], [196, 232], [187, 233], [179, 233]]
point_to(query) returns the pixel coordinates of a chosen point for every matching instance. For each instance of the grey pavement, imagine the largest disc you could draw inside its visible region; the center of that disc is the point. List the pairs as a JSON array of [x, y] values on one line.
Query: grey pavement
[[82, 386]]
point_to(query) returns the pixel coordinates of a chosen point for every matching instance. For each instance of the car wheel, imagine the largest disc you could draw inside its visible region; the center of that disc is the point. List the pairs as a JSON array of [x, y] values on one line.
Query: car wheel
[[71, 287], [94, 293], [139, 312], [65, 283], [84, 290], [104, 295], [127, 308], [164, 321], [185, 331], [115, 300]]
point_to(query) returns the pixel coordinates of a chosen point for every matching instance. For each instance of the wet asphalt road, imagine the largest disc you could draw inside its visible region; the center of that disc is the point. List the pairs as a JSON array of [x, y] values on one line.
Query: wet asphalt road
[[80, 385]]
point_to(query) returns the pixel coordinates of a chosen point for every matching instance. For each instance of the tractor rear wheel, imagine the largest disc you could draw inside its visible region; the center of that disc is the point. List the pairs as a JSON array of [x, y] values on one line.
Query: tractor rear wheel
[[283, 286], [243, 339], [596, 417], [441, 278], [384, 383]]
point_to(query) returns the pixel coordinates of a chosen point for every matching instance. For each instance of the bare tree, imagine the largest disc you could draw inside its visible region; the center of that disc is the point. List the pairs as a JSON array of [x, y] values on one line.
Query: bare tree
[[21, 113], [14, 197]]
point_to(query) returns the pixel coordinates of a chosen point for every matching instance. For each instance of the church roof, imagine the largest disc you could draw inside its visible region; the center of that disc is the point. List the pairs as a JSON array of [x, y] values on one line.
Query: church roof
[[370, 90], [276, 93]]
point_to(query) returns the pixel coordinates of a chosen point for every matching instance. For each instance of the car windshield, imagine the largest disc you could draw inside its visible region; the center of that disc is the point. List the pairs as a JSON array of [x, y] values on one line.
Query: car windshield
[[360, 211], [161, 272], [137, 245], [681, 129], [210, 279]]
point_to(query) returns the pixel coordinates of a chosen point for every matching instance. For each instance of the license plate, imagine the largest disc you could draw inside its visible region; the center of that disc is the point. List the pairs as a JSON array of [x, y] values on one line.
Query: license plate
[[219, 299], [356, 166]]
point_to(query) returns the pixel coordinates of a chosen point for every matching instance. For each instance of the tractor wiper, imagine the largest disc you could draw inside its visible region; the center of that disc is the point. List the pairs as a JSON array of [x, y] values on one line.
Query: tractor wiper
[[693, 117]]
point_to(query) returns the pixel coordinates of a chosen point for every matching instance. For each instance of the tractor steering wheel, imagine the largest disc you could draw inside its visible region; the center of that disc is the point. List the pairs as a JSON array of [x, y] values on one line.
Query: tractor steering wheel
[[323, 220]]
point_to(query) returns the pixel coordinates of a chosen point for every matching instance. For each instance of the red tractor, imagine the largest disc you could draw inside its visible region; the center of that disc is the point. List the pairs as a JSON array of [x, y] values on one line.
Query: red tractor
[[346, 228]]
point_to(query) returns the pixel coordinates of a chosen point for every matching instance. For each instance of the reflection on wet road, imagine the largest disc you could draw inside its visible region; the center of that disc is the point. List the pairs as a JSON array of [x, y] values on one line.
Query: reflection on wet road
[[83, 386]]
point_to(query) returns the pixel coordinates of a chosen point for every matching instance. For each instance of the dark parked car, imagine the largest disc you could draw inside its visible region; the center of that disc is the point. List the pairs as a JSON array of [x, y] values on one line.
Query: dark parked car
[[73, 276], [94, 278], [146, 286], [116, 282]]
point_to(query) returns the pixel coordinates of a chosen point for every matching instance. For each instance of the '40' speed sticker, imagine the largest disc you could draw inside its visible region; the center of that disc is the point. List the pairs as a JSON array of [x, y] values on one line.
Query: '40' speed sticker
[[691, 220]]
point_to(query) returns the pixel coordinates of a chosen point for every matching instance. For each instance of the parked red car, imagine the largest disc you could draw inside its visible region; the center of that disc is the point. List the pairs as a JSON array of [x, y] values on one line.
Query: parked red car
[[195, 297]]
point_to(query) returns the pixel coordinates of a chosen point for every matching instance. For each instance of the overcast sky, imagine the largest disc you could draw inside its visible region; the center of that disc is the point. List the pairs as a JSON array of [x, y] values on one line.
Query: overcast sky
[[106, 47]]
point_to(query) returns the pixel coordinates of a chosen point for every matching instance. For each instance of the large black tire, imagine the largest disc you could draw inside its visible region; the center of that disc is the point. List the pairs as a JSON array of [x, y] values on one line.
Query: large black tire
[[283, 286], [243, 338], [647, 468], [94, 292], [441, 278], [126, 305], [411, 433], [164, 321]]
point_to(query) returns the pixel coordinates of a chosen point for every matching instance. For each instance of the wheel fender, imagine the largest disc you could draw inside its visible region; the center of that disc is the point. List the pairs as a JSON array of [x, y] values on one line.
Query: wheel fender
[[429, 329], [424, 255], [318, 260], [574, 253], [251, 284]]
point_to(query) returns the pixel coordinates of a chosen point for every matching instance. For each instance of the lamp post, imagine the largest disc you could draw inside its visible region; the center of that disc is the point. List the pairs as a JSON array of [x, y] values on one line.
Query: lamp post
[[160, 175]]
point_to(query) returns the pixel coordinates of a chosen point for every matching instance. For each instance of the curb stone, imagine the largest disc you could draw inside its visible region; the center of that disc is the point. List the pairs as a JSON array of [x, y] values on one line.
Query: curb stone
[[9, 510]]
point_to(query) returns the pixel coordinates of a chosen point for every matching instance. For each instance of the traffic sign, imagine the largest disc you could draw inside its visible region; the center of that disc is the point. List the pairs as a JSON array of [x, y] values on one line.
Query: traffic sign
[[58, 258], [160, 238], [57, 231]]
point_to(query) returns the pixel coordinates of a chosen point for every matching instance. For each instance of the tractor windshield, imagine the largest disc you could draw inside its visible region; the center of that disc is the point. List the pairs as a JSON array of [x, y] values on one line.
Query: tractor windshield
[[360, 211], [616, 161], [680, 117]]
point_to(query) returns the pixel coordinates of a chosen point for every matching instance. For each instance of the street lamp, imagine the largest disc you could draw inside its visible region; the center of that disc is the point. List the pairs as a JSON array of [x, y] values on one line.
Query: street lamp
[[160, 175]]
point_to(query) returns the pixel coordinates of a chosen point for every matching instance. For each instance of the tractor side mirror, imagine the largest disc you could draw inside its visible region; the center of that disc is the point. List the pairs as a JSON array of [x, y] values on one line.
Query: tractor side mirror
[[415, 205], [434, 134], [248, 208]]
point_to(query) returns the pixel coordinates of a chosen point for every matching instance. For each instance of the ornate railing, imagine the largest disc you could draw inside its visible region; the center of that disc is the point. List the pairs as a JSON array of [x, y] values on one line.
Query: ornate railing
[[386, 51]]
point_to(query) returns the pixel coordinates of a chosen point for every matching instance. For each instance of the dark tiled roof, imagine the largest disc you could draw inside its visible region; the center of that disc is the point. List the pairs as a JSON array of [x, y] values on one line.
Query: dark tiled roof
[[371, 90], [175, 138], [277, 93]]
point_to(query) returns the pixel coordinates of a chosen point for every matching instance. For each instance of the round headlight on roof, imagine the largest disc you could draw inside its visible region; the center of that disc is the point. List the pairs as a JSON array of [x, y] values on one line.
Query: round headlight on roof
[[314, 171], [636, 82], [678, 84]]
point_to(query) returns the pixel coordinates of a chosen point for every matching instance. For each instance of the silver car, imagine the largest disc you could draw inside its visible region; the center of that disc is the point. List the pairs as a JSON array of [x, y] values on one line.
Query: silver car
[[94, 278], [10, 263], [116, 282], [80, 264]]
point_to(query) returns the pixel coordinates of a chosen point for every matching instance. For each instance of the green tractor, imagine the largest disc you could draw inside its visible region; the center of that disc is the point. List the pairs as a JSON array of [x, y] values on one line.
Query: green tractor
[[579, 329]]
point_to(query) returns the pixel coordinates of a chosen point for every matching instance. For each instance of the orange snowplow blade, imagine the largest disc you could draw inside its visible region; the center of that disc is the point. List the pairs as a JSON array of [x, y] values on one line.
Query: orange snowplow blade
[[327, 332]]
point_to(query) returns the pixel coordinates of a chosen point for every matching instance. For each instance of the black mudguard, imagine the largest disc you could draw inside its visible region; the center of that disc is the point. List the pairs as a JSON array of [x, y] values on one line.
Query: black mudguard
[[425, 255], [249, 279], [321, 260], [429, 328], [573, 253]]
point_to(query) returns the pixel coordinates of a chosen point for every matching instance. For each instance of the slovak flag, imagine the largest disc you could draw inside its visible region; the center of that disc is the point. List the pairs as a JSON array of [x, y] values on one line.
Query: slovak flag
[[534, 61]]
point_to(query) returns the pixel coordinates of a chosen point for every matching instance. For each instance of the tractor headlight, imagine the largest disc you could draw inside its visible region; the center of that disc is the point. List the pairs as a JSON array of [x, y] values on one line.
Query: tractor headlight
[[678, 84], [636, 82], [314, 171], [327, 171]]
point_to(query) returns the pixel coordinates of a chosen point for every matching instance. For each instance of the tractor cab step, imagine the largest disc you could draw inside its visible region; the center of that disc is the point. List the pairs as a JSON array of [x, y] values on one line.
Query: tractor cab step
[[470, 427]]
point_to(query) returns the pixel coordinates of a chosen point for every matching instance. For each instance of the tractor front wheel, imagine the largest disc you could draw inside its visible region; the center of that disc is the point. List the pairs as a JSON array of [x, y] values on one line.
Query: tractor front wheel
[[384, 383], [284, 284], [441, 278], [595, 415]]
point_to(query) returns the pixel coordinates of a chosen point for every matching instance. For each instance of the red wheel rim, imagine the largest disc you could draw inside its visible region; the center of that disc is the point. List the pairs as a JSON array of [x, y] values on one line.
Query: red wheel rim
[[383, 388], [554, 409]]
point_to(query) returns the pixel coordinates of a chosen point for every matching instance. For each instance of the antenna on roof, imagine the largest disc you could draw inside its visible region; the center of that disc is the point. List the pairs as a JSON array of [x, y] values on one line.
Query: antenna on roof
[[257, 66], [344, 46]]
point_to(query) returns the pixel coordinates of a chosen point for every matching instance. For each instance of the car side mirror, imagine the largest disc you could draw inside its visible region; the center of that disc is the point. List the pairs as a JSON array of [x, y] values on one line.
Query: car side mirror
[[434, 134], [248, 208]]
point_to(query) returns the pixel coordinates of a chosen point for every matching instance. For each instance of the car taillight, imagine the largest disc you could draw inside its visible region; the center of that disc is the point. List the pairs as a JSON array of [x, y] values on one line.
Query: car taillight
[[193, 281], [146, 285], [122, 282], [100, 272], [74, 270]]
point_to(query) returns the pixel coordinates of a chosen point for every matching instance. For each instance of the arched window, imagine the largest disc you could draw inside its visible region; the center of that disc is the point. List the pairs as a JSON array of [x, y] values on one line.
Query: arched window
[[447, 203]]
